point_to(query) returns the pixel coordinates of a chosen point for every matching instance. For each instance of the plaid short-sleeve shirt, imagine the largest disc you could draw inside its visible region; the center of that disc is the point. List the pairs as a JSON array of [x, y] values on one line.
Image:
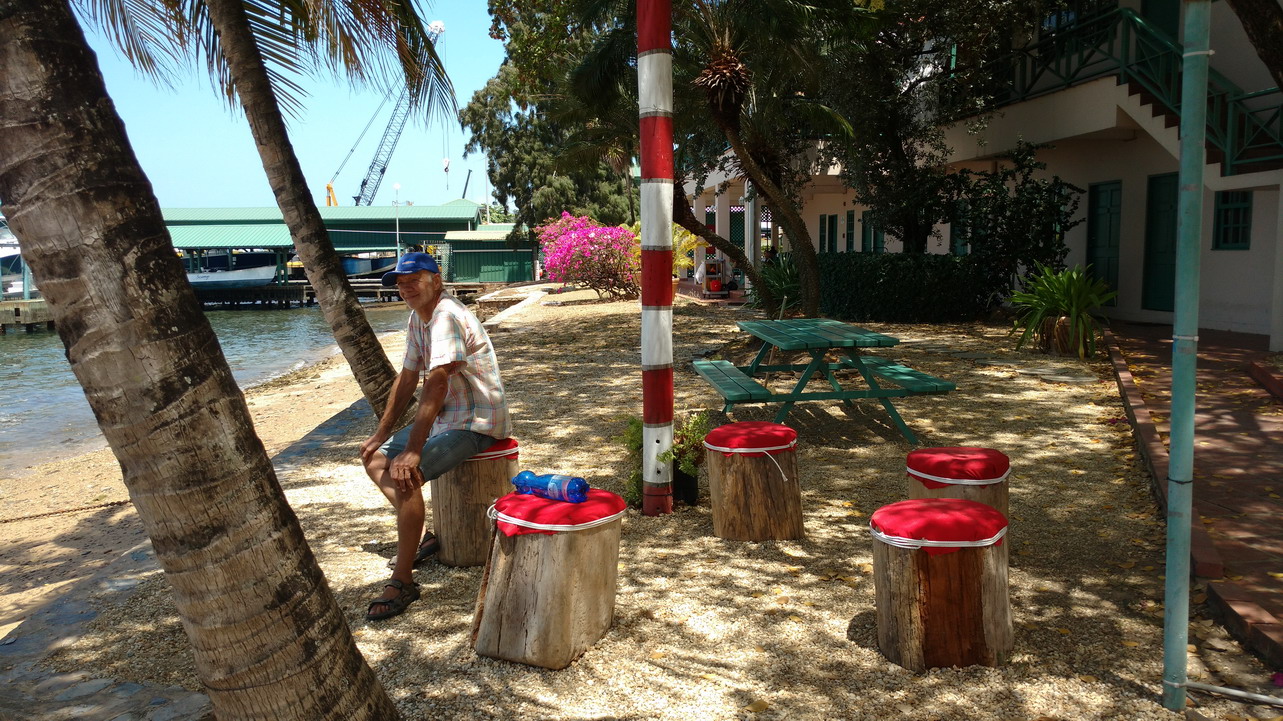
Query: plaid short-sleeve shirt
[[474, 397]]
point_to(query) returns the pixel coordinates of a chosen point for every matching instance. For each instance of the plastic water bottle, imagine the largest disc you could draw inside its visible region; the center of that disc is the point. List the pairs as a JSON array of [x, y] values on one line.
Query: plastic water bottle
[[553, 486]]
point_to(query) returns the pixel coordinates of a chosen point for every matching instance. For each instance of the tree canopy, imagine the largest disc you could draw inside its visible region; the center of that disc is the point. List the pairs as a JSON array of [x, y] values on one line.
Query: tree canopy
[[527, 163]]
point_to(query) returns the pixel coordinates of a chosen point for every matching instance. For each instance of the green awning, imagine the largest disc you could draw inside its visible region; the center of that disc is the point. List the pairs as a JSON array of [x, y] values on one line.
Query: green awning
[[252, 216], [196, 237]]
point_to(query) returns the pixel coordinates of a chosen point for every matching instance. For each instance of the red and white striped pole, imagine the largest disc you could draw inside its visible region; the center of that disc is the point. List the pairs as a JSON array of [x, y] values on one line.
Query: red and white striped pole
[[655, 90]]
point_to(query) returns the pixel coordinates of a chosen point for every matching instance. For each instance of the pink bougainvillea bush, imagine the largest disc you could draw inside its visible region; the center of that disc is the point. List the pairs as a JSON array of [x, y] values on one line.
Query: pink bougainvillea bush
[[578, 249]]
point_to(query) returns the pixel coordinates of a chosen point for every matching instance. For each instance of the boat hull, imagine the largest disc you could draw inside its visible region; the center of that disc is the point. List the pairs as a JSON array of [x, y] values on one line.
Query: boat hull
[[354, 266], [222, 279]]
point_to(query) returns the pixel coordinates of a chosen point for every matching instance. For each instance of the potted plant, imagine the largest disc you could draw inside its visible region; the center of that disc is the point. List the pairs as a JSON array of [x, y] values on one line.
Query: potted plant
[[1055, 309], [686, 455]]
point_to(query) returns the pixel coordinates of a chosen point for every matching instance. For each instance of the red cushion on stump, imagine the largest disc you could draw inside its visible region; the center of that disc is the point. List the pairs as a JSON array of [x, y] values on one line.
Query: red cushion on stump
[[752, 438], [544, 511], [957, 463], [506, 448], [939, 519]]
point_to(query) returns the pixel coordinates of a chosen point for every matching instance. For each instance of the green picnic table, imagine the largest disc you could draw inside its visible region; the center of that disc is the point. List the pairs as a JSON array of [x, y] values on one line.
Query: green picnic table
[[817, 336]]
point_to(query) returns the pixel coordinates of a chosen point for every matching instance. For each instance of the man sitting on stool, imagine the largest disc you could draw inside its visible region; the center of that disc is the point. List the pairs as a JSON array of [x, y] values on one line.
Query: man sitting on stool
[[462, 405]]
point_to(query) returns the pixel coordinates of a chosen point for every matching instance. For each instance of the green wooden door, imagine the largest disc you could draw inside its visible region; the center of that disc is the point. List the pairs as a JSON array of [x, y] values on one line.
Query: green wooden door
[[1158, 291], [1104, 229]]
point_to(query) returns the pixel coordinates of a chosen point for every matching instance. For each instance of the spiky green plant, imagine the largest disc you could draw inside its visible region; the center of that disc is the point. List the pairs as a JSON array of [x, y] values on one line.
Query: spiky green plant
[[1049, 296]]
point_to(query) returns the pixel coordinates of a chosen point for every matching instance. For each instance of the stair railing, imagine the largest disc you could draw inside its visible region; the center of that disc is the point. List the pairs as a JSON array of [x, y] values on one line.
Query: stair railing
[[1247, 128]]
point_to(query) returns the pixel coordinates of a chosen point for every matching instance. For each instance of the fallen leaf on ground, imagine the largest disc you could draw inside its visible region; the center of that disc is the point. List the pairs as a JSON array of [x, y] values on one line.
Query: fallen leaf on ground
[[757, 706]]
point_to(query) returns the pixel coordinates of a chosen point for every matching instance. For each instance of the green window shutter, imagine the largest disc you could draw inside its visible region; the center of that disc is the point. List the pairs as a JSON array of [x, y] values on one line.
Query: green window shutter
[[1232, 224], [850, 230], [833, 233]]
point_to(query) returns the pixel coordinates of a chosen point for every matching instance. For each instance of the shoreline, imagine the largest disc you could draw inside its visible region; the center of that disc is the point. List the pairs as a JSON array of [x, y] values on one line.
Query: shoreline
[[93, 508], [97, 443]]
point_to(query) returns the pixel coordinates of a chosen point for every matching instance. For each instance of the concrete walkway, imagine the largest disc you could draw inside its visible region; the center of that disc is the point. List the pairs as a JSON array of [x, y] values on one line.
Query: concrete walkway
[[1238, 467]]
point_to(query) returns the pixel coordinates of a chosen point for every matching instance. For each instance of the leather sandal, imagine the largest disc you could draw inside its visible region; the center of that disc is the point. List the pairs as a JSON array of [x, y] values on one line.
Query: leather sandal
[[406, 594], [428, 548]]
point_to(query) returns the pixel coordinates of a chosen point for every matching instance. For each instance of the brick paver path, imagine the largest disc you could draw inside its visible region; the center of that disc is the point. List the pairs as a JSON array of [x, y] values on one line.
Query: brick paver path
[[1238, 453]]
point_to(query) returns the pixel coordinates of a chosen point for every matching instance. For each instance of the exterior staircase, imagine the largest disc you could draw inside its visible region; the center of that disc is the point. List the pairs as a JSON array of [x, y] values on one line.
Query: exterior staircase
[[1244, 130]]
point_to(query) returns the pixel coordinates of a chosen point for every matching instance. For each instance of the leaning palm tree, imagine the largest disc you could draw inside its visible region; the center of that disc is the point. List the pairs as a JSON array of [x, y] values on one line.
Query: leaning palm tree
[[254, 48], [270, 641]]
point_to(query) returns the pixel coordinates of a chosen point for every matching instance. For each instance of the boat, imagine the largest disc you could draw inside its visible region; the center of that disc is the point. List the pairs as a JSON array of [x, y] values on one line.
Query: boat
[[355, 266], [243, 278], [11, 264]]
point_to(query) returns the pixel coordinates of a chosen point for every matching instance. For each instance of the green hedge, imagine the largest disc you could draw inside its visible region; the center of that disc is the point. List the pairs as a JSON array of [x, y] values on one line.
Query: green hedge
[[894, 287]]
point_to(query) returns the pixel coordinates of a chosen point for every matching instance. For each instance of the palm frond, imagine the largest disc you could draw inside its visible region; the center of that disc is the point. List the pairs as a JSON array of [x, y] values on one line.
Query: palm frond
[[149, 34], [378, 42]]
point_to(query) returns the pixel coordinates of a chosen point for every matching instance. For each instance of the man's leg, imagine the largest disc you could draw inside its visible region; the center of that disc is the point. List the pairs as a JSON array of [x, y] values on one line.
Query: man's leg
[[445, 451], [409, 514], [441, 453]]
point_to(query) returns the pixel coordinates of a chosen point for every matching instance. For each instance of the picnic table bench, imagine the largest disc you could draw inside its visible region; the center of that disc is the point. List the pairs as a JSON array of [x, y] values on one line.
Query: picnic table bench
[[817, 336]]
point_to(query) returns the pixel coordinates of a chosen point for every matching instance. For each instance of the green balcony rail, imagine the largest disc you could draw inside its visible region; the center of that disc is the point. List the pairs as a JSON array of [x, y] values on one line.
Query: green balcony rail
[[1247, 128]]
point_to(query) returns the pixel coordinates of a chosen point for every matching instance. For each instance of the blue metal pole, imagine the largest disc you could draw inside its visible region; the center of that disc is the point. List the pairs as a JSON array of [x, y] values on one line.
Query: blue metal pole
[[1180, 491]]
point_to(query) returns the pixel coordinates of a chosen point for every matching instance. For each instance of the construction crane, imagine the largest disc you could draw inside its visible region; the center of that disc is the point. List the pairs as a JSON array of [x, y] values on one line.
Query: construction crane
[[387, 144]]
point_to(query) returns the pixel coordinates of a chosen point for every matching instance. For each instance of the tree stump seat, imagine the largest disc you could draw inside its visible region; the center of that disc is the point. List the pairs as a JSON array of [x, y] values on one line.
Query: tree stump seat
[[940, 583], [548, 595], [753, 481], [973, 474], [460, 498]]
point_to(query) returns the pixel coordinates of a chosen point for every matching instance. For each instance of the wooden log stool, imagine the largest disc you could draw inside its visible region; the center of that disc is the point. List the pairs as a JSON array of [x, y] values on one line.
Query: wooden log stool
[[548, 592], [753, 481], [973, 474], [940, 583], [460, 498]]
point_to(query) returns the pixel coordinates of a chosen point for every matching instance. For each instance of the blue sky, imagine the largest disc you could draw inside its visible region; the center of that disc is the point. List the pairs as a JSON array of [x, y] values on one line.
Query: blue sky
[[198, 153]]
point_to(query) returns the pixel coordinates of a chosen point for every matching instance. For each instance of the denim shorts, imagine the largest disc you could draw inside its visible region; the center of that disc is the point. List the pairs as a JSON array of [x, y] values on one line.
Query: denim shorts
[[441, 452]]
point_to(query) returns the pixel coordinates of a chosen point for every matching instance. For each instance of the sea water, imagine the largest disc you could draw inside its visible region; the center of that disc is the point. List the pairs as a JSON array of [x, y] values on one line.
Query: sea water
[[43, 412]]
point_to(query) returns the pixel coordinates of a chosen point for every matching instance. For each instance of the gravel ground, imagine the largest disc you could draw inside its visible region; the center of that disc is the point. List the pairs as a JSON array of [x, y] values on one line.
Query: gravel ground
[[712, 629]]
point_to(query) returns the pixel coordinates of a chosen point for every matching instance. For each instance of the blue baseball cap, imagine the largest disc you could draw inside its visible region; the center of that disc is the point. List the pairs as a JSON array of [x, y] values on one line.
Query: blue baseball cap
[[411, 263]]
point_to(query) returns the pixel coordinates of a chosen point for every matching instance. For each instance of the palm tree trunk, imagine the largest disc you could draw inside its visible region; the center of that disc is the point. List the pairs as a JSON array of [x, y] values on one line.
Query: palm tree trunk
[[269, 638], [808, 268], [321, 263]]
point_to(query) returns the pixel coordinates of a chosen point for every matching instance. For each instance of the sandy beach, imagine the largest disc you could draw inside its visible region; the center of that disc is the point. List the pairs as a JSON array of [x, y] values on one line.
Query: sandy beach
[[704, 628]]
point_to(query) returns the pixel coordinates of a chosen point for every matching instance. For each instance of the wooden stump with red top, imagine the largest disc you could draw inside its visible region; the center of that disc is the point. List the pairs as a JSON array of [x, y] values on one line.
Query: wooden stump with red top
[[973, 474], [753, 481], [940, 583], [548, 595], [461, 497]]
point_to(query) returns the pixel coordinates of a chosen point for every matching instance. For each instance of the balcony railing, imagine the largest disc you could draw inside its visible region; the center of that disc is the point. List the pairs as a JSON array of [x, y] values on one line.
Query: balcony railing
[[1247, 128]]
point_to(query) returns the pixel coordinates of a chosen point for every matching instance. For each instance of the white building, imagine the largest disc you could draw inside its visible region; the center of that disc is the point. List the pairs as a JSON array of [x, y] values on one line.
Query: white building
[[1103, 90]]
